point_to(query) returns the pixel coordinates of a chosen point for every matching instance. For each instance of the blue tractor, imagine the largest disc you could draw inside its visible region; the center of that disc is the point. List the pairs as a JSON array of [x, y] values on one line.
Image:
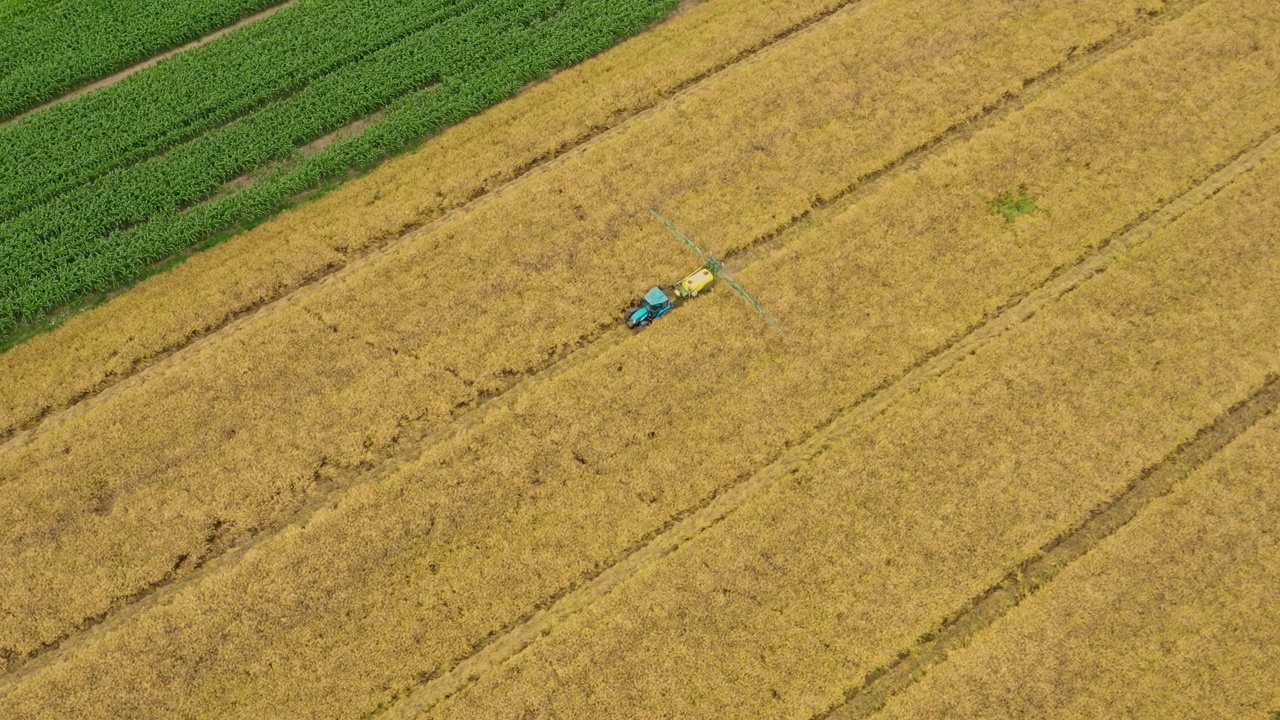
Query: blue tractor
[[654, 305]]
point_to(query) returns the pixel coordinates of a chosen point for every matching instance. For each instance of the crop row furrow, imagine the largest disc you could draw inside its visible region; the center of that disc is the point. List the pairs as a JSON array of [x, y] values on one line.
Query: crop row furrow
[[119, 75], [415, 437]]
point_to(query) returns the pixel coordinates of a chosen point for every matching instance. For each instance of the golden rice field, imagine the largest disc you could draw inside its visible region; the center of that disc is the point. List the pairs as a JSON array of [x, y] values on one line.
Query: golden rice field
[[393, 454], [1174, 615]]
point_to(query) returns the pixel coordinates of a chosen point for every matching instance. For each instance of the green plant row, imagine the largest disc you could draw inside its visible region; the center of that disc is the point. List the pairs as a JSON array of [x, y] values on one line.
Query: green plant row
[[48, 54], [558, 33], [72, 143], [12, 11], [455, 51]]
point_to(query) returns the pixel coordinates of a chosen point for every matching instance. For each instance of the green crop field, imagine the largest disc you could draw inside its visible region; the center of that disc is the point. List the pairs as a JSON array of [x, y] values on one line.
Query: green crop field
[[193, 92], [13, 10], [76, 41], [165, 144]]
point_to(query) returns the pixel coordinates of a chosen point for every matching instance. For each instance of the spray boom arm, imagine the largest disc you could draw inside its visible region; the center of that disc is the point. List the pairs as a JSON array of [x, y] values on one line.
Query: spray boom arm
[[717, 269]]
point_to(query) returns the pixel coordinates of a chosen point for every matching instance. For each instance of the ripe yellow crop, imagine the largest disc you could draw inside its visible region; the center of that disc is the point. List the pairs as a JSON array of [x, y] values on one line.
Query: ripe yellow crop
[[839, 567], [1174, 615], [401, 575]]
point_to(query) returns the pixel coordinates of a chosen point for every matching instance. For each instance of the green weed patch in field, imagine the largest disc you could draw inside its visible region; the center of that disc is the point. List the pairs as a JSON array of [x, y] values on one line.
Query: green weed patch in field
[[1012, 206]]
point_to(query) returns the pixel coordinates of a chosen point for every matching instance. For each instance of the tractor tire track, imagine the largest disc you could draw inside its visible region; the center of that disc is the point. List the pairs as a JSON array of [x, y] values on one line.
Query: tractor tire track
[[1035, 572], [139, 67], [146, 366], [416, 439], [499, 649]]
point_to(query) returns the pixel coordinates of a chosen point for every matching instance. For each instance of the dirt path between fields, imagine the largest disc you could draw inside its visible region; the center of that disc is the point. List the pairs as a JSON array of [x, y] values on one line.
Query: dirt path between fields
[[117, 77], [713, 510]]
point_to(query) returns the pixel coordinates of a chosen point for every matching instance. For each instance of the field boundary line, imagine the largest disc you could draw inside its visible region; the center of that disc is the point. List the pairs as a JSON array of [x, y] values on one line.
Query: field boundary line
[[581, 350], [1028, 577], [153, 364], [154, 59], [711, 511]]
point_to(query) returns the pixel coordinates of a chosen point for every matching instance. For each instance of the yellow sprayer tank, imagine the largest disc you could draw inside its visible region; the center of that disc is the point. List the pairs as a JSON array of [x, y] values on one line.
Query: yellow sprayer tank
[[695, 283]]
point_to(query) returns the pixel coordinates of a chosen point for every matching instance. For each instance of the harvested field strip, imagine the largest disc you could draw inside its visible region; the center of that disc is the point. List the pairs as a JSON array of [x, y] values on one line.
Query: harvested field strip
[[533, 502], [82, 40], [872, 538], [1031, 575], [113, 229], [1032, 89], [149, 62], [847, 421], [218, 289], [256, 452], [1174, 616]]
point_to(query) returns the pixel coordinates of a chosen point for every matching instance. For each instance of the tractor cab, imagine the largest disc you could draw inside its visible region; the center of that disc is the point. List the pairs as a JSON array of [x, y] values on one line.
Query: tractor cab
[[654, 305]]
